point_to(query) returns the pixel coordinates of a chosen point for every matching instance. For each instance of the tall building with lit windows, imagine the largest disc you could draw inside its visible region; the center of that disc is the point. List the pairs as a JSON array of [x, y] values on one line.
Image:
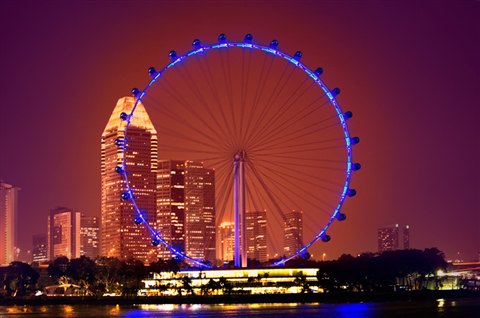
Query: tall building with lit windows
[[186, 208], [63, 233], [8, 220], [256, 234], [226, 232], [40, 248], [389, 238], [120, 237], [89, 229], [292, 232]]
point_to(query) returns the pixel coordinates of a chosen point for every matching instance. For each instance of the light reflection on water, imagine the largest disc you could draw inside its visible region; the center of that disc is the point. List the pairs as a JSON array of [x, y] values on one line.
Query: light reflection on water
[[421, 309]]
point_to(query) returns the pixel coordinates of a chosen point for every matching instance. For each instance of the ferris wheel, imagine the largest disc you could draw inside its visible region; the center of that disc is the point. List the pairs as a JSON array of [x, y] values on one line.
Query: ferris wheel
[[270, 128]]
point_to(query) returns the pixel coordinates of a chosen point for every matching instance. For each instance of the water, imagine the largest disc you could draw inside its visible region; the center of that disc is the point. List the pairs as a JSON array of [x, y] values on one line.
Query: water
[[464, 308]]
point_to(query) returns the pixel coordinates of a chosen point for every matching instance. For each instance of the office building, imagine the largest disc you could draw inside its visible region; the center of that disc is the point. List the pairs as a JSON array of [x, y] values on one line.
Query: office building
[[119, 236], [292, 232], [226, 233], [63, 233], [389, 238], [40, 248], [186, 208], [256, 234], [8, 220], [89, 234]]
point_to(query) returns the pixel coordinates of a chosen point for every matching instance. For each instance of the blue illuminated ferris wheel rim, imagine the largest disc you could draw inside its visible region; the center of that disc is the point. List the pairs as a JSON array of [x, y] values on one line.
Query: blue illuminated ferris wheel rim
[[272, 49]]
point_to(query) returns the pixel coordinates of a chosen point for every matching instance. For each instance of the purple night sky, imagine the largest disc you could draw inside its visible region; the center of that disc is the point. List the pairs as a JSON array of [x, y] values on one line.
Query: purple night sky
[[408, 71]]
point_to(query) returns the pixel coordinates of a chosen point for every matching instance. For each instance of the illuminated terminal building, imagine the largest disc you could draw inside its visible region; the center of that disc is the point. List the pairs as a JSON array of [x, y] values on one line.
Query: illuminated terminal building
[[235, 281], [119, 236], [186, 208], [256, 233], [293, 232], [63, 233], [8, 217]]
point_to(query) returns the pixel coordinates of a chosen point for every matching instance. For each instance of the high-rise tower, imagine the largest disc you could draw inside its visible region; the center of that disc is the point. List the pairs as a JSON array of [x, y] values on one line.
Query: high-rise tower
[[256, 234], [186, 208], [227, 240], [119, 235], [292, 232], [89, 236], [63, 233], [8, 217]]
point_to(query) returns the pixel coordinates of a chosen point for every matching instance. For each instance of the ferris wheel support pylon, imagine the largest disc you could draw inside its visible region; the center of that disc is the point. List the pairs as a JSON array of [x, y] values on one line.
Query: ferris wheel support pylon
[[239, 209]]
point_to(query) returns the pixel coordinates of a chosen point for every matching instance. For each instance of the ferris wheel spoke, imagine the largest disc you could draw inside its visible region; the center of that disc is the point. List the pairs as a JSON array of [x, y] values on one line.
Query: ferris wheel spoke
[[174, 116], [285, 136], [296, 94], [229, 88], [288, 165], [187, 77], [260, 87], [268, 103], [177, 96], [282, 128], [299, 194], [306, 180], [206, 70], [225, 196]]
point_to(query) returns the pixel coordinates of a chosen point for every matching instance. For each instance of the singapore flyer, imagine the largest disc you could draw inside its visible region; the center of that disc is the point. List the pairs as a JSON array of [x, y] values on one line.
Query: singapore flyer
[[257, 130]]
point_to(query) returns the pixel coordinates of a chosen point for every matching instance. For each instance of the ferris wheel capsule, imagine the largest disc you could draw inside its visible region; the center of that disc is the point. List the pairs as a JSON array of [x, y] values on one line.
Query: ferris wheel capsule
[[355, 140], [152, 71], [274, 44], [356, 166], [318, 71], [135, 92], [155, 241], [196, 43], [326, 238], [222, 37], [248, 38], [173, 55], [341, 216], [348, 115], [297, 55], [335, 91], [351, 192]]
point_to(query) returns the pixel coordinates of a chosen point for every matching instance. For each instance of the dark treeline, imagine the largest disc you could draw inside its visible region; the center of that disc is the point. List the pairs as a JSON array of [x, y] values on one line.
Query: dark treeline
[[388, 271], [410, 269]]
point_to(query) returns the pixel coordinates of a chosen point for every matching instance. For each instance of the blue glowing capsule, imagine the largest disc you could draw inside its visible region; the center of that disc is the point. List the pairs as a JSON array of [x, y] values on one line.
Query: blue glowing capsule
[[274, 44], [356, 166], [123, 116], [173, 55], [318, 71], [306, 255], [348, 115], [126, 196], [138, 220], [155, 241], [135, 92], [152, 71], [119, 142], [351, 192], [222, 37], [355, 140], [248, 38], [341, 216], [196, 43], [297, 55], [326, 238], [335, 91], [119, 170]]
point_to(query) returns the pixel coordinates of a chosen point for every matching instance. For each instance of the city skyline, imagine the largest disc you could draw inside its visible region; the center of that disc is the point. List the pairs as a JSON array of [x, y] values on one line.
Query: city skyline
[[411, 89]]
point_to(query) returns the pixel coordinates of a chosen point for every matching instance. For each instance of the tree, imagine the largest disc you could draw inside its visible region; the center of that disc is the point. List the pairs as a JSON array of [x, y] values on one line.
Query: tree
[[20, 279], [81, 271], [58, 268]]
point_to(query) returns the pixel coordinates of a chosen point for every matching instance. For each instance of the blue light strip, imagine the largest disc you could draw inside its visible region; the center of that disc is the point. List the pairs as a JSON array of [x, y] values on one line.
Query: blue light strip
[[298, 64]]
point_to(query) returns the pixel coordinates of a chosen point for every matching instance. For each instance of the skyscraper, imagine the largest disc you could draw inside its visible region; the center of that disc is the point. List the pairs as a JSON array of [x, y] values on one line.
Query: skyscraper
[[40, 248], [8, 219], [120, 236], [89, 236], [63, 233], [227, 241], [292, 232], [387, 238], [186, 208], [256, 233]]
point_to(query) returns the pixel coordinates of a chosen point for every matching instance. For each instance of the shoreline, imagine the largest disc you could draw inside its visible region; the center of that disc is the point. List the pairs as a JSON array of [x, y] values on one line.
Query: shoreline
[[344, 297]]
